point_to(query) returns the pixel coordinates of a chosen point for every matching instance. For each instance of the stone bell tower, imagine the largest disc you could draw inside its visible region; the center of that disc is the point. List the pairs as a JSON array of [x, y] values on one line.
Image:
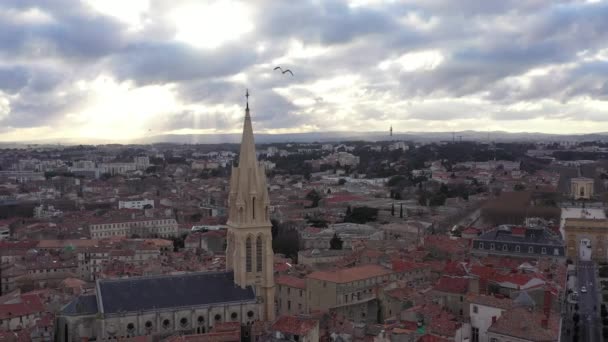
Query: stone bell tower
[[249, 252]]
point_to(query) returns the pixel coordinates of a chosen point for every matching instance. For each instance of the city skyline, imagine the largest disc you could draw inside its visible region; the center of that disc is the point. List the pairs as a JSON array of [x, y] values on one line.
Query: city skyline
[[109, 70]]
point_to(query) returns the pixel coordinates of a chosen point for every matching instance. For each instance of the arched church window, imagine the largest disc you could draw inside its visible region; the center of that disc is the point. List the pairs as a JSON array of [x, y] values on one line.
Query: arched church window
[[259, 248], [248, 255], [130, 328], [218, 317], [166, 323], [234, 315], [249, 313], [183, 322], [253, 208], [148, 325], [266, 211], [201, 320]]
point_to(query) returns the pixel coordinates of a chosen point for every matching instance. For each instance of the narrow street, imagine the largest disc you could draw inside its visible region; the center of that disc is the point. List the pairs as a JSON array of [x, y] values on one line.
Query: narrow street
[[589, 302]]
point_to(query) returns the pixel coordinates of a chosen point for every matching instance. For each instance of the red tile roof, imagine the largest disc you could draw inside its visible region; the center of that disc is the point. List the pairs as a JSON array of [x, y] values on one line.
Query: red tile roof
[[29, 304], [294, 325], [491, 301], [291, 281], [403, 266], [520, 322], [454, 268], [346, 275], [452, 285]]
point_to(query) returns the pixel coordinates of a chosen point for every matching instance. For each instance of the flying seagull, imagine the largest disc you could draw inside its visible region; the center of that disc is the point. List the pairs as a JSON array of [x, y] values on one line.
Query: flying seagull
[[283, 71]]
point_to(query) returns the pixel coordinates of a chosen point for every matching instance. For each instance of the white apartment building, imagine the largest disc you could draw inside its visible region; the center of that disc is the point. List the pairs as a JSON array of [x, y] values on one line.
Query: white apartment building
[[484, 311], [141, 162], [117, 168], [135, 204], [163, 227]]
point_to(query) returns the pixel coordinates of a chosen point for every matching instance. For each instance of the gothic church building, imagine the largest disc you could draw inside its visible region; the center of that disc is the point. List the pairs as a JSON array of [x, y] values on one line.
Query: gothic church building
[[192, 303]]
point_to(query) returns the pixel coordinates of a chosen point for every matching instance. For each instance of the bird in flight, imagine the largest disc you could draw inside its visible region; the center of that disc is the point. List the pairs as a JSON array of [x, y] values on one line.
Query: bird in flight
[[283, 71]]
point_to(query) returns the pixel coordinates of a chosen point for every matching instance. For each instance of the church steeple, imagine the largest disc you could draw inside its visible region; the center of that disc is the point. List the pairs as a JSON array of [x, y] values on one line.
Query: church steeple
[[249, 252], [247, 155]]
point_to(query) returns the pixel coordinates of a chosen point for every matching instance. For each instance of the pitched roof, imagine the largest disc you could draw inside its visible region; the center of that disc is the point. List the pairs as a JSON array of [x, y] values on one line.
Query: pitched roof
[[291, 281], [294, 325], [168, 291], [452, 285], [28, 304], [491, 301], [81, 306], [346, 275], [526, 324]]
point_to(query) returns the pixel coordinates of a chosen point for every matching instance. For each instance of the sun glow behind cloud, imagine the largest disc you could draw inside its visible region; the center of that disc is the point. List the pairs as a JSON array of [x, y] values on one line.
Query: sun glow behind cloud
[[211, 24]]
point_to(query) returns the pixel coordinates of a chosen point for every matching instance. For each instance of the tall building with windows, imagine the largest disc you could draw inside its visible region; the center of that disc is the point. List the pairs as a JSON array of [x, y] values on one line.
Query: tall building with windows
[[249, 253]]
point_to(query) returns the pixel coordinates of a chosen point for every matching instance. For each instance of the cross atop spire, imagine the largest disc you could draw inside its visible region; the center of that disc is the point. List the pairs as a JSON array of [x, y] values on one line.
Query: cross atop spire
[[247, 98]]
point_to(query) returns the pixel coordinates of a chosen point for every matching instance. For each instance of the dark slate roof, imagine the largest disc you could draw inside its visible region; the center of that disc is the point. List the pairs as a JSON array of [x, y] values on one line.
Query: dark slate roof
[[83, 305], [541, 236], [169, 291]]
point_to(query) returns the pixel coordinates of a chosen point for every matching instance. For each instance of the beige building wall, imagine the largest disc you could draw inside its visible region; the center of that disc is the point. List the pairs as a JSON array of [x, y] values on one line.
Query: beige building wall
[[290, 300]]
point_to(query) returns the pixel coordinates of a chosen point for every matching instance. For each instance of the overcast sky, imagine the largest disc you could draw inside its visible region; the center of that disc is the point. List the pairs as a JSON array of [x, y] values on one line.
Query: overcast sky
[[125, 69]]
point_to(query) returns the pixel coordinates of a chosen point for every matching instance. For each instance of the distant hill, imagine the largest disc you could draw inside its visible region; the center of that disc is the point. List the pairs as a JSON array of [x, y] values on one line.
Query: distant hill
[[495, 136], [374, 136]]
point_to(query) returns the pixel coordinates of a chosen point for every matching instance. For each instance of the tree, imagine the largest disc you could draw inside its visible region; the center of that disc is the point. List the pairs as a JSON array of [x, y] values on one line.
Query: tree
[[437, 199], [362, 215], [394, 181], [315, 197], [335, 242], [287, 242]]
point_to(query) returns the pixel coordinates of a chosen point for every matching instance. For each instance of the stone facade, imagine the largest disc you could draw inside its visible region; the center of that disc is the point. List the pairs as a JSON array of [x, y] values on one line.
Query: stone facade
[[581, 188], [592, 230], [249, 252]]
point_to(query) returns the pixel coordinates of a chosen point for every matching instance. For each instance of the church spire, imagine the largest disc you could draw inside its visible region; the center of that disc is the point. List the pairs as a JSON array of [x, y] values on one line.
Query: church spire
[[249, 249], [247, 156]]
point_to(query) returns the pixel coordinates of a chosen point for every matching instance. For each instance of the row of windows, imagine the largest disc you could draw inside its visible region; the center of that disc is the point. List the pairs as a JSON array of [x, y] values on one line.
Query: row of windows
[[124, 232], [289, 305], [183, 322], [130, 224], [505, 248], [289, 290]]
